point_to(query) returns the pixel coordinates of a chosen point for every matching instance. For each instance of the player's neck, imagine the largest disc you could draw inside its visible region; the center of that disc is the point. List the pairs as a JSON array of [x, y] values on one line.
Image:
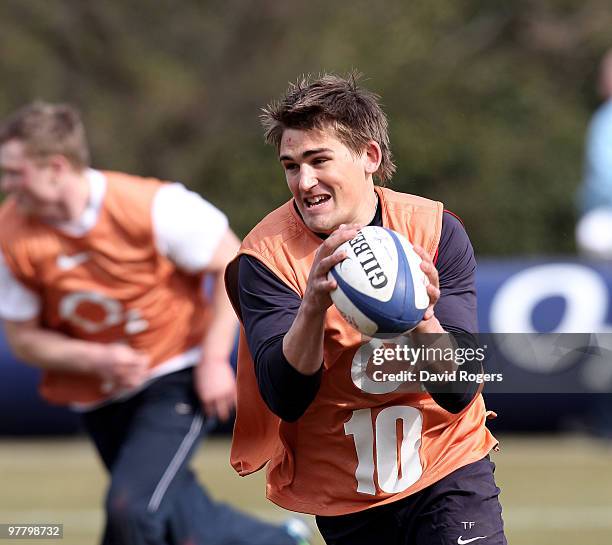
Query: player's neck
[[77, 195], [368, 210]]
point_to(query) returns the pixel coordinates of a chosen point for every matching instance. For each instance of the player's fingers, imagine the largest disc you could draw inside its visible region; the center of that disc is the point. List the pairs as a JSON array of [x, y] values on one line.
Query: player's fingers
[[434, 293], [224, 405], [338, 237], [108, 386], [425, 257], [134, 364], [141, 374], [328, 285], [210, 408], [346, 227], [224, 408], [328, 263], [141, 359], [346, 233], [121, 375], [434, 275], [420, 252], [129, 381], [133, 368], [430, 270]]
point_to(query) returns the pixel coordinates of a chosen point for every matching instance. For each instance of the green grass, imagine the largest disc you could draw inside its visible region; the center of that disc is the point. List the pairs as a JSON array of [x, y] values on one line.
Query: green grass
[[556, 490]]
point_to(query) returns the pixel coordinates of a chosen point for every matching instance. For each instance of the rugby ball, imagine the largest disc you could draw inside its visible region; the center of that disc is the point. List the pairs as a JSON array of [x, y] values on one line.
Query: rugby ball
[[381, 288]]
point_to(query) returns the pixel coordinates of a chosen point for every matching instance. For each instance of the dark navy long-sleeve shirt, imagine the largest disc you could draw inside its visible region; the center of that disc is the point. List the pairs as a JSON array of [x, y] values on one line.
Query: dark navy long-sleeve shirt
[[269, 307]]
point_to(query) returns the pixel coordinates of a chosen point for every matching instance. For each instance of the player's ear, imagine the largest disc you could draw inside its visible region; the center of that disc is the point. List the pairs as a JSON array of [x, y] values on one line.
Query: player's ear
[[372, 157], [59, 164]]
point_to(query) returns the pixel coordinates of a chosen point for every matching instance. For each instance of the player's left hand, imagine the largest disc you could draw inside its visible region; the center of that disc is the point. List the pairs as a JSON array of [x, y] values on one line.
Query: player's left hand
[[216, 385], [429, 323]]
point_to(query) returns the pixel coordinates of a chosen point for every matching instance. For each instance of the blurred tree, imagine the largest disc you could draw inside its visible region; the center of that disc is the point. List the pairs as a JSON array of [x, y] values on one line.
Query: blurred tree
[[488, 100]]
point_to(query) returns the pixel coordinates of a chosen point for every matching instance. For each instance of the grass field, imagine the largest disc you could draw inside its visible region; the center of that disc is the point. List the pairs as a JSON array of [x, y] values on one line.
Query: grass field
[[555, 490]]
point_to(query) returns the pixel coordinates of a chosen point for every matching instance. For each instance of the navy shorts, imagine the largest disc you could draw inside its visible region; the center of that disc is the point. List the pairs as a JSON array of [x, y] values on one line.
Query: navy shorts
[[460, 509]]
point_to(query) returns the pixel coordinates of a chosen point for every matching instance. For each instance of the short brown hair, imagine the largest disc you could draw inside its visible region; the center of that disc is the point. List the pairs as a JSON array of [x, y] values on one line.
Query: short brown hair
[[48, 129], [331, 100]]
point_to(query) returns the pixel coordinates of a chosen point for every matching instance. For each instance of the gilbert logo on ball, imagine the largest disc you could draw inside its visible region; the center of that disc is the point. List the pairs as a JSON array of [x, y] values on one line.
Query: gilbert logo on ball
[[381, 289]]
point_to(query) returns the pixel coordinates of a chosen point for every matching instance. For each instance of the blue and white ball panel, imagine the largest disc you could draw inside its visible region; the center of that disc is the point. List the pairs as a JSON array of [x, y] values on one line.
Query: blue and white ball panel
[[353, 315], [371, 243], [381, 288], [419, 278]]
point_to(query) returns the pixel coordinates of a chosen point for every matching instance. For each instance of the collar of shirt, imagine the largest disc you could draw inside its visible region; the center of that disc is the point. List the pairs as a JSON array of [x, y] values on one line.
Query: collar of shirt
[[89, 217]]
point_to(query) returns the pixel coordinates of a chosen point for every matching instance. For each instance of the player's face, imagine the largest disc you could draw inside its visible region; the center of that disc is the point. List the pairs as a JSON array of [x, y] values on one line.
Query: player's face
[[330, 183], [34, 183]]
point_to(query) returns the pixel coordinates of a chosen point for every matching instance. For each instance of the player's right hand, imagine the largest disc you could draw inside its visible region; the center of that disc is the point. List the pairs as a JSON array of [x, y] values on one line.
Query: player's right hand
[[317, 293], [121, 367]]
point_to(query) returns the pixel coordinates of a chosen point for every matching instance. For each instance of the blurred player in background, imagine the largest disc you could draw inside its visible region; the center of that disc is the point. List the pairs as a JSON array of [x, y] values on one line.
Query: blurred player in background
[[390, 468], [100, 287], [594, 229]]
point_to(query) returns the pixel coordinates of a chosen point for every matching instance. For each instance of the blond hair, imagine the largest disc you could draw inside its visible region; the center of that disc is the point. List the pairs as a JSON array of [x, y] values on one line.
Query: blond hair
[[48, 129]]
